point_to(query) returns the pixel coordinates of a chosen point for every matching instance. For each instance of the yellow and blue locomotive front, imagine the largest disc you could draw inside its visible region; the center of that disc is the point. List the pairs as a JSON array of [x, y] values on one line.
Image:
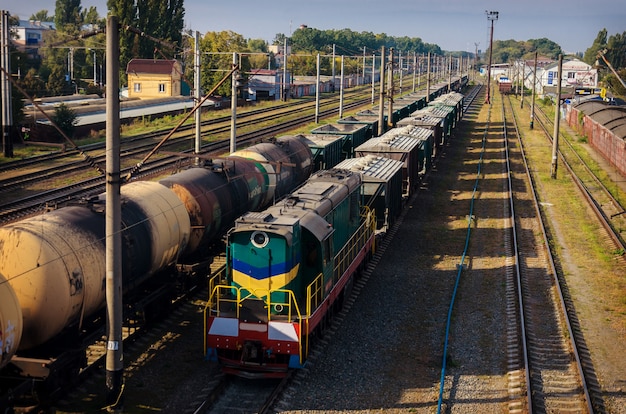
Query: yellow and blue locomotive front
[[281, 276], [259, 335], [266, 260]]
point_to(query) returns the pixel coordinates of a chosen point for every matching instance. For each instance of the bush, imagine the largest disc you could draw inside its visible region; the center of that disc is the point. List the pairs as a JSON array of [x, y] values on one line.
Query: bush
[[65, 118]]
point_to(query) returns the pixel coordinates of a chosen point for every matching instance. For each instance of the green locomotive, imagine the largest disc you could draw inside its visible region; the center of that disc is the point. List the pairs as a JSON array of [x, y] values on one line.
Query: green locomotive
[[288, 268]]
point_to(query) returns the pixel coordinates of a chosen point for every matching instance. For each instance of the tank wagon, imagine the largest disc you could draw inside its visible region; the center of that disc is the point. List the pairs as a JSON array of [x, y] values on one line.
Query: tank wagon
[[287, 267], [52, 266]]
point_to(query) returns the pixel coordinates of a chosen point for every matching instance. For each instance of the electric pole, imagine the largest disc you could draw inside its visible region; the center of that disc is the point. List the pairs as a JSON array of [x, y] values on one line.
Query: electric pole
[[491, 16], [5, 87], [557, 118]]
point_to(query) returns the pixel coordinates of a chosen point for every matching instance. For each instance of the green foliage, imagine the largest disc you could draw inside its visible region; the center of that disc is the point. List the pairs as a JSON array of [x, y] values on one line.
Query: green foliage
[[348, 42], [546, 101], [162, 20], [41, 15], [67, 16], [581, 117], [591, 54], [57, 85], [33, 85], [215, 63], [505, 51], [65, 118], [91, 16], [613, 48], [257, 45]]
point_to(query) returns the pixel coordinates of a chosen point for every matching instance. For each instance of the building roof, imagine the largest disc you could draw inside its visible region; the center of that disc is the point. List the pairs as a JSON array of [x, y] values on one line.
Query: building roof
[[35, 24], [612, 117], [152, 66]]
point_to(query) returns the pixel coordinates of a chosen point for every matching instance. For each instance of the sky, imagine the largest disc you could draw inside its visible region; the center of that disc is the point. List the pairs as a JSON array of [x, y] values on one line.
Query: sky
[[454, 25]]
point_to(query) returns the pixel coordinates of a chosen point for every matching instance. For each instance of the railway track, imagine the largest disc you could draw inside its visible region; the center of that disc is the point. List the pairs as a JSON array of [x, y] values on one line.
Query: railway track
[[295, 122], [551, 360], [15, 209], [609, 210]]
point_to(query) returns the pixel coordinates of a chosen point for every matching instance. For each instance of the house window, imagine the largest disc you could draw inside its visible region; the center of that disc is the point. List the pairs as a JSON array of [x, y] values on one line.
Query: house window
[[161, 88], [137, 87]]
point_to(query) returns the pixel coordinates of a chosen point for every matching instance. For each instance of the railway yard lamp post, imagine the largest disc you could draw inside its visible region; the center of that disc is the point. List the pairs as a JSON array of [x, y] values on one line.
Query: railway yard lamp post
[[491, 16]]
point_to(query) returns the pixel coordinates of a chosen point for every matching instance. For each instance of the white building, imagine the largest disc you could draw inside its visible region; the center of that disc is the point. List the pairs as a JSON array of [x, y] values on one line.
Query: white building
[[29, 35], [576, 74]]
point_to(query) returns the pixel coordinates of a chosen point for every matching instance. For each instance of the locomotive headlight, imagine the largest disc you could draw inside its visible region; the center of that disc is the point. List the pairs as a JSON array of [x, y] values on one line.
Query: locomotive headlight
[[259, 239]]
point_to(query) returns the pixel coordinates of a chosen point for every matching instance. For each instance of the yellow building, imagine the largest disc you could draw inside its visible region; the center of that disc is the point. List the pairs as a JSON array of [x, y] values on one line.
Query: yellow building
[[153, 78]]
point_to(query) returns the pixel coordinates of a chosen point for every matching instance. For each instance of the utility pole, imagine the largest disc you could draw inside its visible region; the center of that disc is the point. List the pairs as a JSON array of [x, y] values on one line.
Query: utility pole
[[363, 65], [285, 87], [333, 89], [414, 69], [196, 85], [428, 79], [233, 106], [381, 101], [373, 78], [341, 91], [557, 119], [532, 105], [391, 90], [523, 69], [317, 91], [400, 65], [450, 73], [475, 58], [5, 87], [491, 16], [113, 223]]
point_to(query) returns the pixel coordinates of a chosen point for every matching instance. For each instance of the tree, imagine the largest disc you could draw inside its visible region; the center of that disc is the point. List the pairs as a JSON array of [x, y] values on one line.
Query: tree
[[257, 45], [506, 50], [91, 16], [57, 85], [33, 85], [591, 54], [218, 61], [41, 15], [162, 20], [65, 118], [67, 16], [616, 50]]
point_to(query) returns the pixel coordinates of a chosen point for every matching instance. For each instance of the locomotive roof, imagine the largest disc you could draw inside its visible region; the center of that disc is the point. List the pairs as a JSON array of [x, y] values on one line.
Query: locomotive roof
[[307, 205]]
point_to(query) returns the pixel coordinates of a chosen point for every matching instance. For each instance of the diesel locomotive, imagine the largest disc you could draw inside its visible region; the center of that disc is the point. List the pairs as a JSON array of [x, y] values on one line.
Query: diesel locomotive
[[287, 267]]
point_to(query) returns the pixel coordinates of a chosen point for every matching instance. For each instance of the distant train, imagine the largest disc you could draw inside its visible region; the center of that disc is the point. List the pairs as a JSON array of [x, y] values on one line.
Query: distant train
[[290, 267]]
